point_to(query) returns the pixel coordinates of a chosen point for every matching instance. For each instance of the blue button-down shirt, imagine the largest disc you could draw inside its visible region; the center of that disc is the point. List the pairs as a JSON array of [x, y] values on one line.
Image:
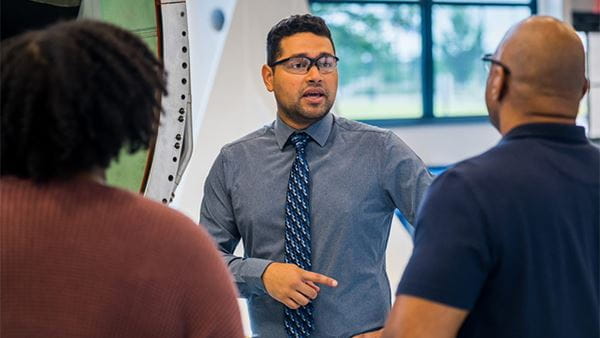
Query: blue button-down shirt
[[359, 175]]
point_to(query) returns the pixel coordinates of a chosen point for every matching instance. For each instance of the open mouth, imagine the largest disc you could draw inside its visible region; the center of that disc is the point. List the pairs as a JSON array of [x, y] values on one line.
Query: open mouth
[[314, 94]]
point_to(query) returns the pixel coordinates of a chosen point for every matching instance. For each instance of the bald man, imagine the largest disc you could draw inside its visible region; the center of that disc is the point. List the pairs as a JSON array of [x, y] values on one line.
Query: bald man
[[507, 242]]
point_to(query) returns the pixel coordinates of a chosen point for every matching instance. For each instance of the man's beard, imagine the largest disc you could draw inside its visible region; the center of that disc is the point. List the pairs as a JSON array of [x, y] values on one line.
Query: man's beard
[[298, 114]]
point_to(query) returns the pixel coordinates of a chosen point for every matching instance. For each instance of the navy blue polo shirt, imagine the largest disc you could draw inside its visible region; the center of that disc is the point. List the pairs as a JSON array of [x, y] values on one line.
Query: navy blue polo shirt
[[512, 236]]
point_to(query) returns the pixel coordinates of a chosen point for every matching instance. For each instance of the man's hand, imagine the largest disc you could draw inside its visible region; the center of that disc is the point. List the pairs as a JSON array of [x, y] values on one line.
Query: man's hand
[[292, 286]]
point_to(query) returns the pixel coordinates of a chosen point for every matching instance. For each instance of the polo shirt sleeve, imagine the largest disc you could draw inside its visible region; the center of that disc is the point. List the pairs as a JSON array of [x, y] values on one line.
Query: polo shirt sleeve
[[403, 175], [217, 216], [452, 251]]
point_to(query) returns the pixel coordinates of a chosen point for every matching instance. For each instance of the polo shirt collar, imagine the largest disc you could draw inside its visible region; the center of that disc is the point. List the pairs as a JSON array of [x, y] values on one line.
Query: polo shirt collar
[[555, 131], [318, 131]]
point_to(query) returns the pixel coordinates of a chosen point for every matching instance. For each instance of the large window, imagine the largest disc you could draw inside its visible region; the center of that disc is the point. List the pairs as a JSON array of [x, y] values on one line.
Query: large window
[[413, 61]]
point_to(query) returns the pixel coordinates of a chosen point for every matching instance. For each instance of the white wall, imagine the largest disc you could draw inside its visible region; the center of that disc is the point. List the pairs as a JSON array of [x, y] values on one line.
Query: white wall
[[441, 145], [594, 77]]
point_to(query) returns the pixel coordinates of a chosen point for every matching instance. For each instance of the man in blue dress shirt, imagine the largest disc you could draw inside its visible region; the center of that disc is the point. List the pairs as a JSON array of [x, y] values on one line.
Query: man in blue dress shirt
[[312, 196], [507, 242]]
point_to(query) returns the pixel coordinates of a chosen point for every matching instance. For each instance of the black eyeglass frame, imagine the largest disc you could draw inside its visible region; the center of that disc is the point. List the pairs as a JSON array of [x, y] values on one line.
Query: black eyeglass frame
[[313, 61], [490, 58]]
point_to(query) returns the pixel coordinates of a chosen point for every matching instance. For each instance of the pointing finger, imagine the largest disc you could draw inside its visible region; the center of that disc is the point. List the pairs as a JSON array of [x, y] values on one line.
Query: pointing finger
[[319, 278]]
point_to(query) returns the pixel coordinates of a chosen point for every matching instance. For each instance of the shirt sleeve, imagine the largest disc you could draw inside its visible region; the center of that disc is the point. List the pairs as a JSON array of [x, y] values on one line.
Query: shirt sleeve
[[404, 176], [217, 216], [452, 252]]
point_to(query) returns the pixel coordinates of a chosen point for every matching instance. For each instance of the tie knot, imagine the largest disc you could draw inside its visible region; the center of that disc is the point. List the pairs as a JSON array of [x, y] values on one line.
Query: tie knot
[[299, 140]]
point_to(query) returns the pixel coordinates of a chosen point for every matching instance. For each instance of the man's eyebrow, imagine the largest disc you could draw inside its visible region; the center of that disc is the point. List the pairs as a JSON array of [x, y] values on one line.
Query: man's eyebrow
[[297, 55], [306, 55]]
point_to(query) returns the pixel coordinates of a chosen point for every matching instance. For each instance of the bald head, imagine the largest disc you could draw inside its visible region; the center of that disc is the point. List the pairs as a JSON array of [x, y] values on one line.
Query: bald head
[[547, 75], [546, 55]]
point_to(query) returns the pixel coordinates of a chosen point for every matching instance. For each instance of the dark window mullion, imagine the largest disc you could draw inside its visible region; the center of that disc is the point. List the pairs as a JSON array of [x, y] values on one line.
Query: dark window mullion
[[367, 2], [534, 7], [428, 67], [427, 58], [482, 4]]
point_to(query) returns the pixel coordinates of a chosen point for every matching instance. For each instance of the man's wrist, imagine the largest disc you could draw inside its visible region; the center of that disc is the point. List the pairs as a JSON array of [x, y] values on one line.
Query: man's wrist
[[255, 272]]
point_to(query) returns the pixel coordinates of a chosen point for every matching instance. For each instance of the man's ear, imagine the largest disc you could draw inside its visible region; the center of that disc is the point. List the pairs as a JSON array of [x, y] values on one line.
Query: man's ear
[[586, 87], [267, 75], [497, 83]]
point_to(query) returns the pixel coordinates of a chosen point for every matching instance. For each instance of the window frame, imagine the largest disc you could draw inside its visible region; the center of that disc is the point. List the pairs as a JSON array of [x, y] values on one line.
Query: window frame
[[427, 61]]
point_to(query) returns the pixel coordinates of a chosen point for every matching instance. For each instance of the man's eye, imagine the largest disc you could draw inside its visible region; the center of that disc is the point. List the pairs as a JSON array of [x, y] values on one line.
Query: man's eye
[[326, 62], [297, 63]]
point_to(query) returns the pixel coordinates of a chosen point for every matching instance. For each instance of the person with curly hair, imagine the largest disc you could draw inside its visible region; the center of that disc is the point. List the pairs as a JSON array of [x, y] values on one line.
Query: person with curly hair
[[80, 258]]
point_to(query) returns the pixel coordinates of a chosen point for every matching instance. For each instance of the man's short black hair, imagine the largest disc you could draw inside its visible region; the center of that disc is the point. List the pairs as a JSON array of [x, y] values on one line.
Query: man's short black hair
[[73, 95], [289, 26]]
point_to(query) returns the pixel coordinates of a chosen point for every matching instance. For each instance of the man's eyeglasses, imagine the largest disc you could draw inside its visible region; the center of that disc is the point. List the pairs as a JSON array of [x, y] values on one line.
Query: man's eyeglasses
[[488, 59], [302, 64]]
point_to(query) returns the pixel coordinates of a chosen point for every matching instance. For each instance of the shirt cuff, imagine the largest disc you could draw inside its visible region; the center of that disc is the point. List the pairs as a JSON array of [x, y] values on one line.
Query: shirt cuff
[[253, 271]]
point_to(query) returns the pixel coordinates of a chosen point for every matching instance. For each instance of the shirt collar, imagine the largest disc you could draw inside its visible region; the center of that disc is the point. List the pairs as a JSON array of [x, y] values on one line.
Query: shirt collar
[[318, 131], [564, 132]]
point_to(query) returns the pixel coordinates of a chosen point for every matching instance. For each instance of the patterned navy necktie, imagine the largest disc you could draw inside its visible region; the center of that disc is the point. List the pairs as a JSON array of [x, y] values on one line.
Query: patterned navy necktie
[[298, 323]]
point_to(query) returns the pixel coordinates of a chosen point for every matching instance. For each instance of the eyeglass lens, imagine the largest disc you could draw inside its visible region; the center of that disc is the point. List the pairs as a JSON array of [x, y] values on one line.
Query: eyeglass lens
[[301, 64]]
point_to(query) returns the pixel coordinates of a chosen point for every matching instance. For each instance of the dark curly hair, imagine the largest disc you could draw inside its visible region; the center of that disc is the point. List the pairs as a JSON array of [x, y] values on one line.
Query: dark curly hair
[[289, 26], [73, 95]]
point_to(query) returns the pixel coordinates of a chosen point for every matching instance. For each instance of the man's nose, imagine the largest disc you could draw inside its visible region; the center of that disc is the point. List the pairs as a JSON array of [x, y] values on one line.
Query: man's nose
[[314, 74]]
